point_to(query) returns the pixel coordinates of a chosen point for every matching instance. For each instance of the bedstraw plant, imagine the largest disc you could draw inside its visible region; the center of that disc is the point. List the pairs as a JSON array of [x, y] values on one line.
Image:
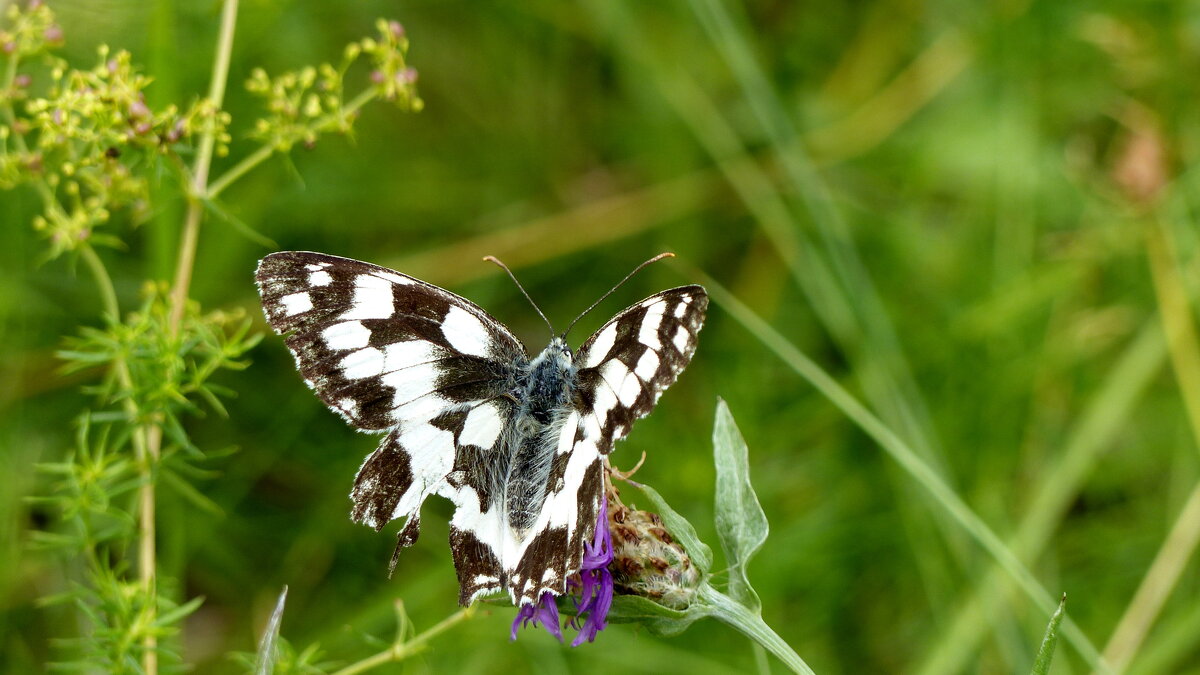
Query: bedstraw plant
[[84, 140]]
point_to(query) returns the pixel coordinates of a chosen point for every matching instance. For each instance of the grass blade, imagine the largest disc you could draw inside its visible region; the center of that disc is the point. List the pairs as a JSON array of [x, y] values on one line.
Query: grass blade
[[1041, 664], [264, 661]]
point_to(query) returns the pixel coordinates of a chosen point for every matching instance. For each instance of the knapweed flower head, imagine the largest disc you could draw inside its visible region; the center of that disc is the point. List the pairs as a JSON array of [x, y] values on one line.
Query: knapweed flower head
[[592, 592], [647, 561]]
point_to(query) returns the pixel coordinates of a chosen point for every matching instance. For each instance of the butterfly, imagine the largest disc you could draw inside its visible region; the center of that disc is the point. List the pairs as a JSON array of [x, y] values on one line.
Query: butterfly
[[516, 443]]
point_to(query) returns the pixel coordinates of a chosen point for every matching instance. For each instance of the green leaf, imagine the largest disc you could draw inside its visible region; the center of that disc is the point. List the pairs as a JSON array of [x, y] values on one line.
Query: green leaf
[[178, 613], [189, 492], [660, 620], [741, 523], [1041, 664], [264, 662], [680, 528]]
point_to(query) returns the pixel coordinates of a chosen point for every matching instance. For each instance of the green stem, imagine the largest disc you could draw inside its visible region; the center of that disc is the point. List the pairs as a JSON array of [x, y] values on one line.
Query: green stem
[[240, 169], [108, 294], [191, 226], [402, 650], [752, 626], [264, 153]]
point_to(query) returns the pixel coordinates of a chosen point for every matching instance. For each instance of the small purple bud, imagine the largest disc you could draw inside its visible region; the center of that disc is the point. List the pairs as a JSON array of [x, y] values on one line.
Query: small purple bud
[[396, 29], [137, 109], [53, 34], [142, 128], [9, 47], [407, 76], [112, 65], [22, 81], [175, 133], [34, 4], [57, 116], [377, 76]]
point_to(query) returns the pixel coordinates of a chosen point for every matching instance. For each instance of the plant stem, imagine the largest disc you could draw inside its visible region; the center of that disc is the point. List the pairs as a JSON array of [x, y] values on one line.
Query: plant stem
[[402, 650], [752, 626], [177, 302], [264, 153], [195, 210], [144, 451], [240, 169]]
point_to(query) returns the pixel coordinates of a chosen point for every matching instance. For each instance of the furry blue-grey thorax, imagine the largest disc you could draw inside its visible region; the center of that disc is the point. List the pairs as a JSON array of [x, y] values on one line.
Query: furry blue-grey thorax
[[547, 382], [516, 444]]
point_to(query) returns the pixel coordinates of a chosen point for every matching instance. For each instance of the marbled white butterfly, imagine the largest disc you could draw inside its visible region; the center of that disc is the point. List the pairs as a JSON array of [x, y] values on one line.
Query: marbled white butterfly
[[515, 443]]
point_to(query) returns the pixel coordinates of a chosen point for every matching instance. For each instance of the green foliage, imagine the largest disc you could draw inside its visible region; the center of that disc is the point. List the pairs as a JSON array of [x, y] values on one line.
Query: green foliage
[[1045, 653], [169, 369], [90, 146], [741, 523], [742, 527], [968, 228], [304, 104]]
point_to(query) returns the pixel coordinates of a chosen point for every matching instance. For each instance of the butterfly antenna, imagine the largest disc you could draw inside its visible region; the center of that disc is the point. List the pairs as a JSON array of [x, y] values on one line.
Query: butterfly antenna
[[629, 276], [493, 259]]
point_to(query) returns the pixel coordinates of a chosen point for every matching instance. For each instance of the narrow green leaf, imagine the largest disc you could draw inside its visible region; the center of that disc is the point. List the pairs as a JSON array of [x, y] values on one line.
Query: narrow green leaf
[[741, 522], [171, 616], [189, 492], [264, 662], [1041, 664], [239, 225], [680, 528]]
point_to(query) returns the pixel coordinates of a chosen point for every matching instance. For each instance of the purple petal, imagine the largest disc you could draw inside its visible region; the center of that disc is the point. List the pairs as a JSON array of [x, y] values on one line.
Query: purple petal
[[544, 613], [597, 607], [598, 554], [523, 616]]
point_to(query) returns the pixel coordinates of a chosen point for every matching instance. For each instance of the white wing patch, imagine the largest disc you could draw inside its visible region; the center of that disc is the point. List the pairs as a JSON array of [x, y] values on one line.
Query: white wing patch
[[681, 339], [411, 381], [465, 332], [372, 299], [647, 365], [604, 342], [296, 303], [363, 363], [346, 335], [482, 426], [431, 458]]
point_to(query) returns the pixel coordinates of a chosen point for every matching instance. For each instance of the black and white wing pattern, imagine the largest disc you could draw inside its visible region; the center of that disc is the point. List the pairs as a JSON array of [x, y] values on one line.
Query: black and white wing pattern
[[626, 365], [391, 353], [621, 371], [516, 444]]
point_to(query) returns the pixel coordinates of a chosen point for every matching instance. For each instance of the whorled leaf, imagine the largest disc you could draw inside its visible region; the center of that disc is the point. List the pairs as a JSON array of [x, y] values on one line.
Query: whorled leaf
[[741, 522]]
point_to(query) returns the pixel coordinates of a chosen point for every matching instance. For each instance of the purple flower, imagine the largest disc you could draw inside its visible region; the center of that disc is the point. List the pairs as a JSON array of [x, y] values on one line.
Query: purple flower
[[545, 612], [595, 590], [595, 581]]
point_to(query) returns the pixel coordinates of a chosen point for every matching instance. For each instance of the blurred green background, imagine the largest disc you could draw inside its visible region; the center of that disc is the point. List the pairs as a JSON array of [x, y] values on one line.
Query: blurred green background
[[978, 217]]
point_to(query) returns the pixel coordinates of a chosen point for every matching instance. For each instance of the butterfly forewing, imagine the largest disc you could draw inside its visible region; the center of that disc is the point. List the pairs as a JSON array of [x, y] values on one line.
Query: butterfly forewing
[[392, 353], [626, 365]]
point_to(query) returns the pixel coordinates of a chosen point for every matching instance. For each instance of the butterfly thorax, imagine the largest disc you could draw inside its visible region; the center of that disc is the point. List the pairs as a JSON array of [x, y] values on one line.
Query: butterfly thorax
[[544, 390]]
